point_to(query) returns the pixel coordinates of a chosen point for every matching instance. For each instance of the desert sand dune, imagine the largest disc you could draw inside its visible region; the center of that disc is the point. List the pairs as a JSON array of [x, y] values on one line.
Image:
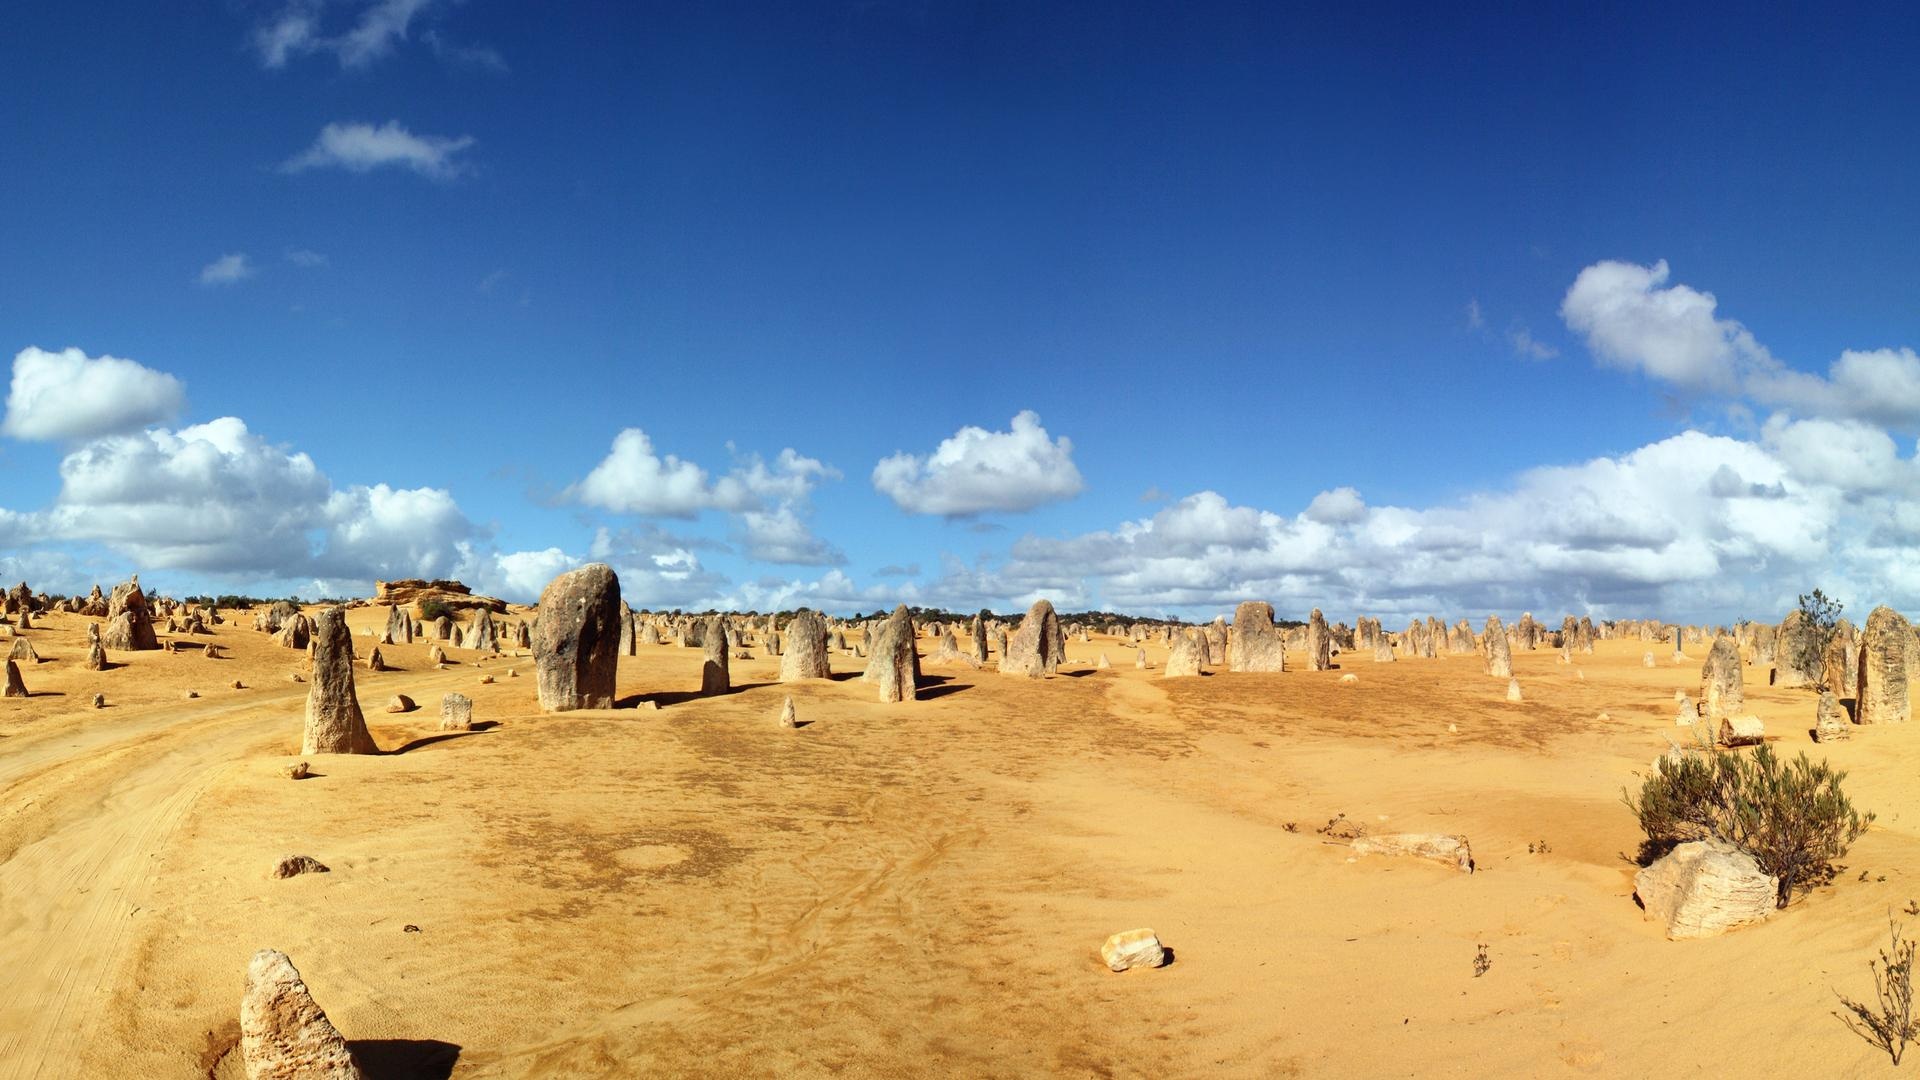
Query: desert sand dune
[[914, 889]]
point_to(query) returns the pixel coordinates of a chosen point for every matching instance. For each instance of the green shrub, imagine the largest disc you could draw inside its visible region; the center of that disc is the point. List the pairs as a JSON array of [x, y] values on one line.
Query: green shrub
[[1792, 817], [434, 609]]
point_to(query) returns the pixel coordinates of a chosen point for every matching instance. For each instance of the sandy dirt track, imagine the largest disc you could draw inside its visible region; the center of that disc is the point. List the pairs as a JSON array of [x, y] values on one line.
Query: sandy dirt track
[[900, 890]]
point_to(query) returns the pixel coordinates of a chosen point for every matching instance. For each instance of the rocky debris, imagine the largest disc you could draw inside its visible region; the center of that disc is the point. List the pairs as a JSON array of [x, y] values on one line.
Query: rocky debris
[[190, 695], [1104, 664], [23, 651], [486, 680], [1741, 731], [236, 685], [1885, 646], [805, 656], [1646, 659], [436, 655], [1133, 949], [1499, 653], [1036, 648], [334, 722], [787, 717], [400, 703], [1705, 887], [456, 713], [1513, 690], [895, 664], [375, 661], [1722, 682], [299, 864], [284, 1035], [1831, 723], [1187, 658], [16, 687], [1140, 659], [1436, 847], [715, 679], [1349, 679], [99, 701], [576, 641], [415, 592]]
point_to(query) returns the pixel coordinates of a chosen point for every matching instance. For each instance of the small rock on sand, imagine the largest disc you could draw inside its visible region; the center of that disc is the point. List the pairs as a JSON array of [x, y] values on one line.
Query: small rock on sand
[[297, 771], [1453, 850], [299, 864], [1132, 949]]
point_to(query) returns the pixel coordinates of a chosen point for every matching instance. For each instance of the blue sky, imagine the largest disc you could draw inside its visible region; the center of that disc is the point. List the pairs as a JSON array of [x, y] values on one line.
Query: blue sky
[[1384, 311]]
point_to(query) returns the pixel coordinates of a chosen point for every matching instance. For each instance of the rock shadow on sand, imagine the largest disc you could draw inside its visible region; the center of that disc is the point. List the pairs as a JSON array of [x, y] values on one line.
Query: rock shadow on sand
[[405, 1059]]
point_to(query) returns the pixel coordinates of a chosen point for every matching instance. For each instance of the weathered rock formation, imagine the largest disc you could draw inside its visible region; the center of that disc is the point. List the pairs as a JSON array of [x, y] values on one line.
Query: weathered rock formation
[[1319, 651], [334, 722], [456, 713], [805, 656], [129, 620], [1722, 680], [1886, 645], [415, 592], [576, 642], [895, 663], [1188, 656], [1035, 649], [714, 679], [1499, 653], [284, 1035], [1257, 644]]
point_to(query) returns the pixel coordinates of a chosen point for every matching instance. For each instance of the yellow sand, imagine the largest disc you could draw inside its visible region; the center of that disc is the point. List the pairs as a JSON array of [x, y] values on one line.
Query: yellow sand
[[904, 890]]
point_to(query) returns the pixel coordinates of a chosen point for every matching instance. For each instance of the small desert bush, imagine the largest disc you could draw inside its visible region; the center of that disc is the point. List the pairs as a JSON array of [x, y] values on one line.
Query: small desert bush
[[1792, 817], [1887, 1022], [434, 609]]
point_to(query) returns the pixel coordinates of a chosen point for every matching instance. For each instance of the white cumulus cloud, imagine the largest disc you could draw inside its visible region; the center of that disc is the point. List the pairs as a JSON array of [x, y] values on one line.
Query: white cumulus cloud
[[1633, 318], [770, 500], [976, 471], [69, 395], [360, 148]]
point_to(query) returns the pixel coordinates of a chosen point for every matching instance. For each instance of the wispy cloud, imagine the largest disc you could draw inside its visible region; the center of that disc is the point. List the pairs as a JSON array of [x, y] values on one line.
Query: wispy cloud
[[376, 31], [306, 258], [1475, 319], [363, 148], [1527, 347], [478, 57], [227, 270]]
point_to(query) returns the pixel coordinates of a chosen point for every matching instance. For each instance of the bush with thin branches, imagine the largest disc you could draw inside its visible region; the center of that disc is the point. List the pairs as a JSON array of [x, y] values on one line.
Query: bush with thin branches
[[1887, 1022], [1792, 817]]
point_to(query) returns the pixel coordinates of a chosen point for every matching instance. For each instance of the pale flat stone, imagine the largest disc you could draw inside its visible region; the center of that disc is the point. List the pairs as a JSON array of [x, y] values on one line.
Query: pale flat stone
[[1438, 847], [1704, 888], [1132, 949], [1742, 731]]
